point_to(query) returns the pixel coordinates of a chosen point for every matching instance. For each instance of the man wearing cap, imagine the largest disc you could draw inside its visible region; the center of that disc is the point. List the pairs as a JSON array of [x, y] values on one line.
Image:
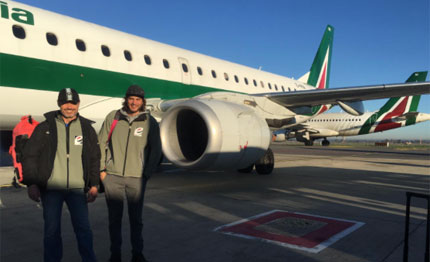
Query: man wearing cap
[[61, 164], [131, 150]]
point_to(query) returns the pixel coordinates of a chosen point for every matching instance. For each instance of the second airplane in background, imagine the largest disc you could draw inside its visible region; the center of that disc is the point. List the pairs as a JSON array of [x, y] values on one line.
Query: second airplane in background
[[396, 112]]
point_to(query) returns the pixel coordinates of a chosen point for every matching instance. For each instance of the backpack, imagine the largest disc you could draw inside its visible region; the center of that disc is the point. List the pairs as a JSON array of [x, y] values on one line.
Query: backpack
[[20, 135]]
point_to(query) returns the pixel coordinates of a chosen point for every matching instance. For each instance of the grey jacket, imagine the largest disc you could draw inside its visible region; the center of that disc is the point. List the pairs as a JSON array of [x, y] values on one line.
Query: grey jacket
[[134, 149]]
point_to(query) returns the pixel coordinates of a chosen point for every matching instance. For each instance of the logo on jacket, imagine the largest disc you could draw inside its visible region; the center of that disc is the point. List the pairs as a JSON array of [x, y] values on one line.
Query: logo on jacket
[[79, 140], [138, 131]]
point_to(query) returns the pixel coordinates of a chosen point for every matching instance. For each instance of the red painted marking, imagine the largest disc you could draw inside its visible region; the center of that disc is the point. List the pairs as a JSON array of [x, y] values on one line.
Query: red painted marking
[[323, 109], [244, 147], [322, 82], [387, 123], [309, 240]]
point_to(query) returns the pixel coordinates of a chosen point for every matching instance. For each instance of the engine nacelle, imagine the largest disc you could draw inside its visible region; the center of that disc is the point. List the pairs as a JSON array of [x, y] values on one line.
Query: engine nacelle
[[212, 134]]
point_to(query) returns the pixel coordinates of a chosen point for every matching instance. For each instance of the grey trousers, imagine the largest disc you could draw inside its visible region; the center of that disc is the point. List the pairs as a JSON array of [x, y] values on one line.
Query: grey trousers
[[133, 189]]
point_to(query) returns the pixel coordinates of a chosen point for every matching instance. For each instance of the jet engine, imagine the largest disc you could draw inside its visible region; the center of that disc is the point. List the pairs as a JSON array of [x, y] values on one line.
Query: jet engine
[[213, 134]]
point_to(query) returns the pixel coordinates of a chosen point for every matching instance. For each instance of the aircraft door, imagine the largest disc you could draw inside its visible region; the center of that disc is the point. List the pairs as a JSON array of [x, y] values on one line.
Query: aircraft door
[[185, 70]]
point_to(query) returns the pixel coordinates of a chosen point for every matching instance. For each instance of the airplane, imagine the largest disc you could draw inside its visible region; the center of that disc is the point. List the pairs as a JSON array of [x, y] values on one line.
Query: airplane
[[395, 113], [214, 114]]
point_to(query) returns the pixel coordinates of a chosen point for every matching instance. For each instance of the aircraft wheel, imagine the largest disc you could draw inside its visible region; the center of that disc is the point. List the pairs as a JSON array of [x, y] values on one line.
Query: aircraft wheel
[[264, 165], [309, 143], [247, 169], [325, 142]]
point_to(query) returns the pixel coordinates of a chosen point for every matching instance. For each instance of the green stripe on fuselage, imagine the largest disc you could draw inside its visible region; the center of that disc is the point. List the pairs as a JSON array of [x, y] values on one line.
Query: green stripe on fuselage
[[31, 73]]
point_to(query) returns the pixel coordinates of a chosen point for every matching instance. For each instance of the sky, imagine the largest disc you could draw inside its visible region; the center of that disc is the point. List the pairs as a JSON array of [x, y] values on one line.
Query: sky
[[375, 41]]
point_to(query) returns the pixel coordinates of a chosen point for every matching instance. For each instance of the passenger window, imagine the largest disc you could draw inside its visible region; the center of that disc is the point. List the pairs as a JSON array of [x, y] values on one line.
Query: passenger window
[[283, 89], [270, 86], [147, 59], [80, 45], [127, 55], [246, 80], [262, 84], [213, 74], [276, 87], [105, 50], [199, 70], [226, 76], [18, 31], [236, 79], [185, 68], [255, 83], [166, 63], [51, 38]]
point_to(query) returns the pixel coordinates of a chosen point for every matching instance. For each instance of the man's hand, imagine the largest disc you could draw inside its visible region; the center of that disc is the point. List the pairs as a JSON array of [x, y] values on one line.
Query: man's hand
[[92, 194], [33, 193], [102, 175]]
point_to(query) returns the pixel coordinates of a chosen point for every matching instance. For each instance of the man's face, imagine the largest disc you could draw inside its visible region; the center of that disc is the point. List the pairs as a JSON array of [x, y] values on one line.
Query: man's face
[[69, 110], [134, 103]]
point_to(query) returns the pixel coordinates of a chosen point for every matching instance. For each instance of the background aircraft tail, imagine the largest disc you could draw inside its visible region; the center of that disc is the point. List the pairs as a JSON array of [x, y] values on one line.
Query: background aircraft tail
[[396, 107], [319, 74]]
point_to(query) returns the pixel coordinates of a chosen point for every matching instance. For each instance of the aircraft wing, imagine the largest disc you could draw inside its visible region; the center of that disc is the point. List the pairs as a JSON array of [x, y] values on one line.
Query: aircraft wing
[[347, 94]]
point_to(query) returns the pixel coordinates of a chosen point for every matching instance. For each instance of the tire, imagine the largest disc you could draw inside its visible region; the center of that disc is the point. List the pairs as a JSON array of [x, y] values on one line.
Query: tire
[[247, 169], [265, 164], [325, 143], [309, 143]]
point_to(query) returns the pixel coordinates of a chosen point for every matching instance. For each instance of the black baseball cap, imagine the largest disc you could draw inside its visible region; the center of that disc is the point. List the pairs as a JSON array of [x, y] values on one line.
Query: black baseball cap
[[135, 90], [67, 95]]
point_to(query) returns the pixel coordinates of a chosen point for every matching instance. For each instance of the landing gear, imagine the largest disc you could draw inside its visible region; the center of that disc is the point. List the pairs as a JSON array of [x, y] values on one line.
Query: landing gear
[[309, 143], [247, 169], [265, 164], [325, 142]]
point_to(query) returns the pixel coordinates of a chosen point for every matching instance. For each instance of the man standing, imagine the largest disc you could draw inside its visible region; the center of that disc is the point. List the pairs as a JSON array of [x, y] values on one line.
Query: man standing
[[131, 150], [61, 164]]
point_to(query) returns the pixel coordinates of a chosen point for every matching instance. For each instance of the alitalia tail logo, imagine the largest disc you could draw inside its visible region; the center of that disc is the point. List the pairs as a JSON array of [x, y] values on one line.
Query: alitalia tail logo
[[384, 118], [17, 14]]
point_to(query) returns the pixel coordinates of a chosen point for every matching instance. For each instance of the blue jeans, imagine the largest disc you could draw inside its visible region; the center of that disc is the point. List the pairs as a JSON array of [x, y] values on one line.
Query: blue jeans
[[52, 201]]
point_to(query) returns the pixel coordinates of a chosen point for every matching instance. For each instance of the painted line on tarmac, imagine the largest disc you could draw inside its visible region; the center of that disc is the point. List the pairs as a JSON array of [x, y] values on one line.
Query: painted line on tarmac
[[301, 231]]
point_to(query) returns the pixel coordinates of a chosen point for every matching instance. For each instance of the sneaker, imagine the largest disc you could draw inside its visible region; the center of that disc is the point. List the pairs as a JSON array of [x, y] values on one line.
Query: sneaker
[[138, 258]]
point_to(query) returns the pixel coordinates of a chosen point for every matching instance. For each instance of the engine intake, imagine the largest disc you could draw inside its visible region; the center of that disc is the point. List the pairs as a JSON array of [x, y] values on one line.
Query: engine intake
[[213, 134]]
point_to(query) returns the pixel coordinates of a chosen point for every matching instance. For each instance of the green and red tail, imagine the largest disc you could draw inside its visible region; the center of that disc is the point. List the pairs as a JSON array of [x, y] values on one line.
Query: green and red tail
[[395, 107], [319, 74]]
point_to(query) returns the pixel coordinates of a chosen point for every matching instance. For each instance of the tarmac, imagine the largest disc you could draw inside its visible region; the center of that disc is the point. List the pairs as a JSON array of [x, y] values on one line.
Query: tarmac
[[186, 211]]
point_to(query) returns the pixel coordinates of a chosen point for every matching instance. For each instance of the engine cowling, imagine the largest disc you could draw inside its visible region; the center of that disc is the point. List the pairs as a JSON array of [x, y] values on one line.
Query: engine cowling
[[213, 134]]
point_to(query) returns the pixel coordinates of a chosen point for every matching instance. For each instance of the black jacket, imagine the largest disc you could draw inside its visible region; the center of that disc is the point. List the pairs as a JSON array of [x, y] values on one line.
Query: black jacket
[[40, 150]]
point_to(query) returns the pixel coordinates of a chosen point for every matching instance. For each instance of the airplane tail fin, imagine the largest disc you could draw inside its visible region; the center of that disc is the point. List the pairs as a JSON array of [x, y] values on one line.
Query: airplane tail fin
[[406, 103], [396, 107], [320, 70], [319, 74]]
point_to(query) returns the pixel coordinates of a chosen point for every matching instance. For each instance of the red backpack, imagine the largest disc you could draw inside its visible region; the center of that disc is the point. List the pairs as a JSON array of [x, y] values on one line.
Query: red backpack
[[20, 135]]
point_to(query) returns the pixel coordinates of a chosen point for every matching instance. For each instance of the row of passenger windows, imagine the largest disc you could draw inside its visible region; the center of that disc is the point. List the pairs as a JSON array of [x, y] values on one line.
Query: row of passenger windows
[[52, 39], [335, 120]]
